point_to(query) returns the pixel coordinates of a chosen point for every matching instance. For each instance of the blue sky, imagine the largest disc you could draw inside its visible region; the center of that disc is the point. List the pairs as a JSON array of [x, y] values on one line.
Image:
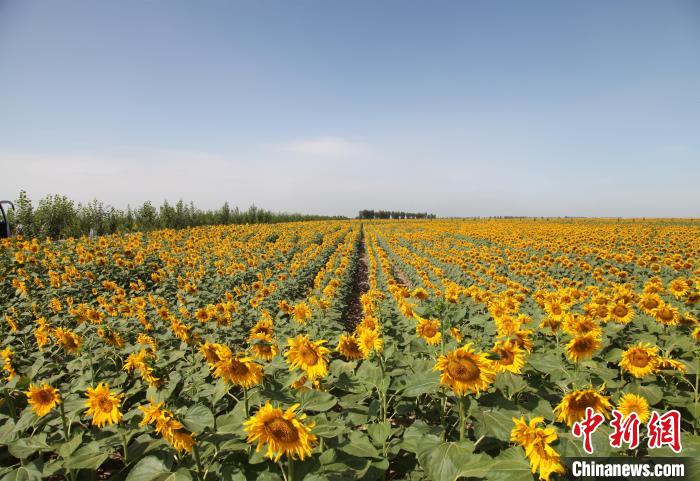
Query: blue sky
[[457, 108]]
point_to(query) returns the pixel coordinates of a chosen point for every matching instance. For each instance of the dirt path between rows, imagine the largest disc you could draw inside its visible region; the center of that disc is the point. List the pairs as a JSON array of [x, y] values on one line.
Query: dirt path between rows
[[401, 277], [360, 285]]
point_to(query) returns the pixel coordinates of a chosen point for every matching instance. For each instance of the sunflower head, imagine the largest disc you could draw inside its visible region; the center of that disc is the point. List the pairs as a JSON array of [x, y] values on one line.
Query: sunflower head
[[349, 347], [370, 340], [456, 334], [583, 346], [301, 312], [263, 347], [667, 364], [523, 340], [465, 371], [641, 360], [69, 340], [621, 312], [679, 287], [576, 325], [262, 327], [649, 302], [633, 403], [283, 432], [309, 356], [554, 308], [238, 369], [573, 406], [536, 442], [6, 355], [210, 352], [43, 398], [151, 413], [666, 314], [420, 293], [369, 322], [429, 330], [103, 406], [511, 358]]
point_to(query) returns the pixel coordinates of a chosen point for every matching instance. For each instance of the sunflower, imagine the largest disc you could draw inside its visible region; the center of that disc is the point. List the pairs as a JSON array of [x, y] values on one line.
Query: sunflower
[[537, 444], [263, 347], [666, 314], [583, 346], [456, 334], [464, 371], [285, 307], [238, 369], [310, 356], [349, 347], [69, 340], [284, 432], [573, 406], [301, 313], [522, 339], [688, 319], [370, 340], [649, 302], [43, 398], [262, 327], [551, 323], [506, 325], [420, 293], [167, 426], [202, 315], [103, 406], [6, 355], [640, 360], [173, 432], [210, 351], [576, 325], [429, 330], [621, 312], [633, 403], [554, 309], [511, 358], [696, 334], [180, 439], [666, 364], [654, 286], [600, 311], [692, 298], [678, 287], [151, 413], [369, 322]]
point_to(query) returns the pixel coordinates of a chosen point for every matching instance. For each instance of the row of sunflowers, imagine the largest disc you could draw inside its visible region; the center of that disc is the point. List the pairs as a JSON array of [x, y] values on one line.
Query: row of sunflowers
[[334, 350]]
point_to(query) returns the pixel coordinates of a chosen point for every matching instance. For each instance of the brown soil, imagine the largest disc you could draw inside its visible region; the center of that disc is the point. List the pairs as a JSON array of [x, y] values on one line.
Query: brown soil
[[360, 285]]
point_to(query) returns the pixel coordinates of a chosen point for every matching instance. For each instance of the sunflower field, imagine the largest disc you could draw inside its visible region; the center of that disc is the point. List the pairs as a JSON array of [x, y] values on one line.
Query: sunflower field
[[340, 350]]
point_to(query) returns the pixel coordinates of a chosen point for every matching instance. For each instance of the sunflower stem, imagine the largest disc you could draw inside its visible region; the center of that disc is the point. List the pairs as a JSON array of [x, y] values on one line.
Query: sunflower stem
[[63, 419], [283, 470], [126, 451], [290, 469], [443, 412], [697, 387], [198, 461], [245, 401], [382, 395], [460, 402], [10, 404], [92, 367]]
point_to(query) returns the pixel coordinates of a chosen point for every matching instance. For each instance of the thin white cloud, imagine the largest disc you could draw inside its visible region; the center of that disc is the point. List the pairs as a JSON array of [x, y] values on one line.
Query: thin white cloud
[[332, 147]]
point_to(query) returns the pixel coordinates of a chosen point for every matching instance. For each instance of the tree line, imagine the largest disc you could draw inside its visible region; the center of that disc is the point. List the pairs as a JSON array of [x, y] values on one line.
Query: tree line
[[57, 217], [390, 214]]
